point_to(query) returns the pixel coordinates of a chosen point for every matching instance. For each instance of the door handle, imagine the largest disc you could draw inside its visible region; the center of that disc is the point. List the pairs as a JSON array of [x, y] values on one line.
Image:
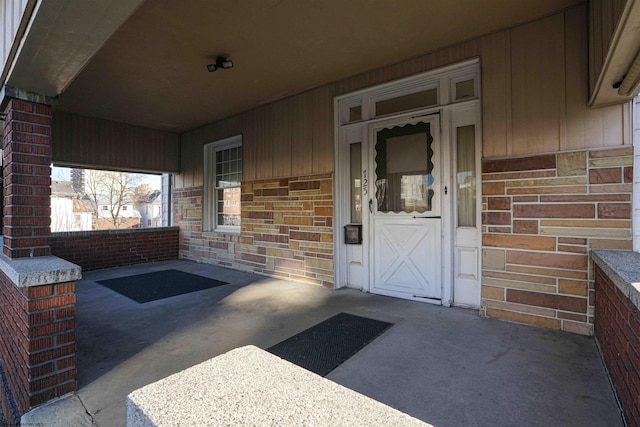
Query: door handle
[[371, 205]]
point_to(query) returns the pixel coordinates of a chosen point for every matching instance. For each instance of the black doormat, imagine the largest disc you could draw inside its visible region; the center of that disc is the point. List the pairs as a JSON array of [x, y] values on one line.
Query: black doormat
[[159, 285], [325, 346]]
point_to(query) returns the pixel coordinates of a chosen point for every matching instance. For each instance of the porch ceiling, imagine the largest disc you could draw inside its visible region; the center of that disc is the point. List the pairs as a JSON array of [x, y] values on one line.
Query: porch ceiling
[[152, 70]]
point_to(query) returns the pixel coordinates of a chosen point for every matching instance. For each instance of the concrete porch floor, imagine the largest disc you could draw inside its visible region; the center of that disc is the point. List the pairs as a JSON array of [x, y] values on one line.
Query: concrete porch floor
[[445, 366]]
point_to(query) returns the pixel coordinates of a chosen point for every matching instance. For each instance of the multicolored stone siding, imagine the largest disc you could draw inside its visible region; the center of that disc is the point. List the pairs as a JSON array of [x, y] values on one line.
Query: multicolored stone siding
[[286, 231], [541, 216]]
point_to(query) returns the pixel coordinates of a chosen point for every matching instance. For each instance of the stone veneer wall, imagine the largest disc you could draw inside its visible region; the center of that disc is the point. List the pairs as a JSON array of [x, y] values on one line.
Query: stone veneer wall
[[286, 232], [541, 215]]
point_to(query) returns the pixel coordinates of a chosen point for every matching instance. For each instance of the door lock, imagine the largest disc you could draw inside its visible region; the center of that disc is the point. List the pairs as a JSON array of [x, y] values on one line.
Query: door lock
[[445, 190], [371, 205]]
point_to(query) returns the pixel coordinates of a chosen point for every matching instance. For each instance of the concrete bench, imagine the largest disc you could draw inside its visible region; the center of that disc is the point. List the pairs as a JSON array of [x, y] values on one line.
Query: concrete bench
[[251, 387]]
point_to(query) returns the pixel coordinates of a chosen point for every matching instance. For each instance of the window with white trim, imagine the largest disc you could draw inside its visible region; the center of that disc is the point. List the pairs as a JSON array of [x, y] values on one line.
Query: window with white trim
[[635, 117], [222, 179]]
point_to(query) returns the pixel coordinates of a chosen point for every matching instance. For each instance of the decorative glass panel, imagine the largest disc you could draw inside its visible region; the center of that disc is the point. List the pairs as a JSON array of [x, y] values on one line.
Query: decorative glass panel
[[229, 206], [404, 169], [228, 167], [228, 193], [466, 175], [355, 114], [411, 101], [465, 89], [356, 183]]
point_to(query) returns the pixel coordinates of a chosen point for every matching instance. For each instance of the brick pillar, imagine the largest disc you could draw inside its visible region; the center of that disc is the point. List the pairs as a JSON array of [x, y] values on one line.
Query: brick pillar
[[27, 179], [38, 349], [37, 291]]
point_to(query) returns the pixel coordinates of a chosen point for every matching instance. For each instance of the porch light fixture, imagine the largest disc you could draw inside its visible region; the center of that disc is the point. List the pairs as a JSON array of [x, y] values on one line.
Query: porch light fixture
[[221, 62]]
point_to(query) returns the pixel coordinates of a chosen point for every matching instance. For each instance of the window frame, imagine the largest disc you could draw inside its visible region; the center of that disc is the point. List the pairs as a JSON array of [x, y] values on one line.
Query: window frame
[[210, 188]]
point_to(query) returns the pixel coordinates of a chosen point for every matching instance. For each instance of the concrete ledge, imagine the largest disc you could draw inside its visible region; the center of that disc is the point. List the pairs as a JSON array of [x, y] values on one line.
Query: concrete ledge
[[62, 412], [38, 271], [249, 386], [623, 268]]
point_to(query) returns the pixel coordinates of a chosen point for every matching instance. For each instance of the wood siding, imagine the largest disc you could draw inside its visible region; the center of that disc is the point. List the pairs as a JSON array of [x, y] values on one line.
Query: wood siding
[[534, 100], [102, 144], [12, 12], [604, 16]]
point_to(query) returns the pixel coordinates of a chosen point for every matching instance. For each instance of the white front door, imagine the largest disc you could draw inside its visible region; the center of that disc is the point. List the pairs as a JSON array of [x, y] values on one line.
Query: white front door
[[406, 209]]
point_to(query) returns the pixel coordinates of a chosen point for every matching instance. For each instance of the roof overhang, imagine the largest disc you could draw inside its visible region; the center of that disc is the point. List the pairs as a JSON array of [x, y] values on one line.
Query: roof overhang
[[60, 39], [144, 62], [619, 80]]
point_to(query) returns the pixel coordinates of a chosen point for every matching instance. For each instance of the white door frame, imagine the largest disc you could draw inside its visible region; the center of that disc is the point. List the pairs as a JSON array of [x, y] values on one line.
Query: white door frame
[[356, 258]]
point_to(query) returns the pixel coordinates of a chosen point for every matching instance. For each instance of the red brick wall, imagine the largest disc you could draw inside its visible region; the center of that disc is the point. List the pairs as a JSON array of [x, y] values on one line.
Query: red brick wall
[[617, 328], [286, 231], [541, 216], [37, 345], [27, 179], [112, 248]]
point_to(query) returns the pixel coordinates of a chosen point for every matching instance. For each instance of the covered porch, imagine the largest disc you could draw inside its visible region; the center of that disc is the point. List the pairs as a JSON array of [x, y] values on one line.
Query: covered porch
[[444, 366], [534, 114]]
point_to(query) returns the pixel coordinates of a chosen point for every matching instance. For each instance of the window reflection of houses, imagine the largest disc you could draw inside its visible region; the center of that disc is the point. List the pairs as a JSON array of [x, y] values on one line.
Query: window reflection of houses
[[231, 206]]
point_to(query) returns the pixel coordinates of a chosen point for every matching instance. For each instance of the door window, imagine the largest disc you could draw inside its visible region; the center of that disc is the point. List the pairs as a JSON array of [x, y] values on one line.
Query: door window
[[404, 169]]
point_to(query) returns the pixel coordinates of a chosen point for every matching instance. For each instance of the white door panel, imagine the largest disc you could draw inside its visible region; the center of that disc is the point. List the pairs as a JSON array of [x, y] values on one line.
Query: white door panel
[[407, 257], [406, 210]]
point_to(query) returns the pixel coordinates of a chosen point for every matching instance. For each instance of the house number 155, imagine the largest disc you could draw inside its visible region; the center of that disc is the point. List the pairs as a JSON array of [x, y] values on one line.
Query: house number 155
[[365, 183]]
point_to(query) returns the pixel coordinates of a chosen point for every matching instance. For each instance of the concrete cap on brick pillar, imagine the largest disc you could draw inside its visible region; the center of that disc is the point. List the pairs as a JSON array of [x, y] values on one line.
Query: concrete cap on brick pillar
[[249, 386], [623, 268], [39, 270]]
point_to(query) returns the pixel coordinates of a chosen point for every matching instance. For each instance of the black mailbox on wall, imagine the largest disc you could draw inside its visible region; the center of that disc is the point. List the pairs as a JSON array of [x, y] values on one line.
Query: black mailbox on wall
[[353, 234]]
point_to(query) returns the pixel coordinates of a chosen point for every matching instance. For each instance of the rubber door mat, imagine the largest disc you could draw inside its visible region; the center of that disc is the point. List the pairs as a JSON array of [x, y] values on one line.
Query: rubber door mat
[[325, 346], [159, 285]]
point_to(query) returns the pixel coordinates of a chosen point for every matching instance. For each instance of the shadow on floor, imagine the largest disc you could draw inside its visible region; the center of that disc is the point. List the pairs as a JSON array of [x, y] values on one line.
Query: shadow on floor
[[446, 366]]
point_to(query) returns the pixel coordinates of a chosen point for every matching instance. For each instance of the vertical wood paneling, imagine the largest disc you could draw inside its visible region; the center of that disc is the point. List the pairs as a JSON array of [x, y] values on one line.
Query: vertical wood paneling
[[596, 50], [604, 16], [264, 149], [586, 127], [280, 137], [250, 135], [627, 124], [537, 73], [90, 142], [534, 100], [11, 12], [576, 80], [301, 134], [322, 116], [613, 126], [496, 95]]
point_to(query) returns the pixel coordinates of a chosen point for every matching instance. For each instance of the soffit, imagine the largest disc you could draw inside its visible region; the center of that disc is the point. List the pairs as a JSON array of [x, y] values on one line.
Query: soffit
[[152, 71], [61, 39], [622, 54]]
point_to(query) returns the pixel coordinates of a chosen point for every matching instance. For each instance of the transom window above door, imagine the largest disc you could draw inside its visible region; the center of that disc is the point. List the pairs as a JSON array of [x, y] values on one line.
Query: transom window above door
[[446, 86]]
